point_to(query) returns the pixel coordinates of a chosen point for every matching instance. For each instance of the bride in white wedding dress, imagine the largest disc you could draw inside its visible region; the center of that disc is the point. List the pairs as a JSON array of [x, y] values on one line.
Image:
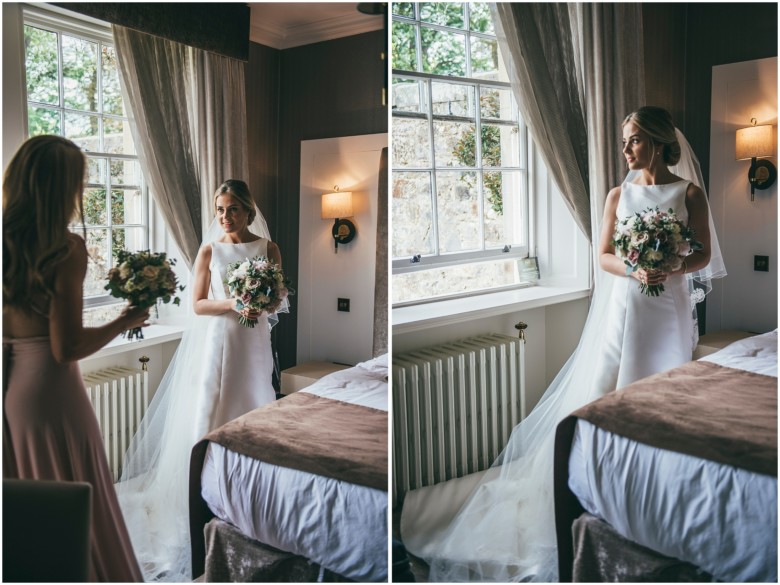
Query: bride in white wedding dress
[[499, 525], [221, 370]]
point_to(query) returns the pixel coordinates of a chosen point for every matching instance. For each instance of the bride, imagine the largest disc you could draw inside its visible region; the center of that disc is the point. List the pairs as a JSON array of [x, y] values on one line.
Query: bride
[[499, 525], [221, 370]]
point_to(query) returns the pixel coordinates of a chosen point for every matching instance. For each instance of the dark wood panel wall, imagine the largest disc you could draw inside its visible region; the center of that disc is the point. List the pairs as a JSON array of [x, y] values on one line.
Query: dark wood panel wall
[[683, 41], [323, 90]]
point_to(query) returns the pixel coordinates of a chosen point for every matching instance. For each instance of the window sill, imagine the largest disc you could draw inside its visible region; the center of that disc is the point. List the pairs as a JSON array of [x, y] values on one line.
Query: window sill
[[153, 335], [435, 314]]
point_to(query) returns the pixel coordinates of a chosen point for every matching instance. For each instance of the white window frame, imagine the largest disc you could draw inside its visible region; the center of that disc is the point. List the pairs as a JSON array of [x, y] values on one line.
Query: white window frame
[[58, 20], [515, 250]]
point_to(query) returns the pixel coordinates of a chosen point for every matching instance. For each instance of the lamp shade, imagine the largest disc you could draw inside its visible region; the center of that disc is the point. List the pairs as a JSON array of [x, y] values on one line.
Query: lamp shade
[[754, 141], [338, 204]]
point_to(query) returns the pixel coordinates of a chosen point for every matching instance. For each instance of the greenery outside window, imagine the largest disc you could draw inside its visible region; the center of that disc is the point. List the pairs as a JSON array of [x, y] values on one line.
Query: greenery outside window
[[459, 168], [73, 90]]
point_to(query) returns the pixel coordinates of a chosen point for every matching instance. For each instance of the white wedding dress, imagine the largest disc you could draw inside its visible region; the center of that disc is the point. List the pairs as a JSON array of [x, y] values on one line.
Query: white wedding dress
[[221, 370], [499, 525]]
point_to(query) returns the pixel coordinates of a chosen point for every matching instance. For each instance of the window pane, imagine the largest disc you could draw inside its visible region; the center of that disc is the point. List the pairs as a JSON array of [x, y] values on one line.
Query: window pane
[[125, 172], [496, 103], [454, 144], [95, 207], [457, 211], [79, 73], [410, 95], [404, 47], [453, 99], [464, 278], [504, 221], [97, 267], [83, 129], [479, 18], [117, 138], [403, 9], [412, 214], [126, 206], [40, 53], [411, 143], [443, 13], [500, 146], [43, 121], [96, 170], [443, 53], [484, 58], [131, 239], [112, 93]]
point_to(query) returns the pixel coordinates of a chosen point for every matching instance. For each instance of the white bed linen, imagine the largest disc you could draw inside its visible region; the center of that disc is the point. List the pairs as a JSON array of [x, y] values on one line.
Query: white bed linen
[[339, 525], [718, 517]]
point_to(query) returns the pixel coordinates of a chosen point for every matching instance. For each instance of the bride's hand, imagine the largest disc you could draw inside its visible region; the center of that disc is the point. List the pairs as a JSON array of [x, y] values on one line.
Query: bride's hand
[[650, 276]]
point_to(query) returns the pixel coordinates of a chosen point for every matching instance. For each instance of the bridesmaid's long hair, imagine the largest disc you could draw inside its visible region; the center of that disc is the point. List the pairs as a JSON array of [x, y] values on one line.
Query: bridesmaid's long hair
[[42, 194], [240, 191], [658, 125]]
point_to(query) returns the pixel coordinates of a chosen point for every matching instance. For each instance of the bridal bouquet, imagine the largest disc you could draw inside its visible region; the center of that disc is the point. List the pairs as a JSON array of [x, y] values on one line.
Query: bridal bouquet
[[143, 278], [653, 240], [257, 284]]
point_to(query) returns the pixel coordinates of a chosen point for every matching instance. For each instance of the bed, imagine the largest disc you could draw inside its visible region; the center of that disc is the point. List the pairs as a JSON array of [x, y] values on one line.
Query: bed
[[674, 477], [305, 476]]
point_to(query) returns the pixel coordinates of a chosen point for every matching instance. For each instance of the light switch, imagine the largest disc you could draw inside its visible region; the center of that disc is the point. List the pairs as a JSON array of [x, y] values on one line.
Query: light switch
[[343, 305], [761, 263]]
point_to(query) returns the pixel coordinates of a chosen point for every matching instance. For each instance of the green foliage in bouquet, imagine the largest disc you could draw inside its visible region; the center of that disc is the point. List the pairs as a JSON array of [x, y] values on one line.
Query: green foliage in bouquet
[[143, 278]]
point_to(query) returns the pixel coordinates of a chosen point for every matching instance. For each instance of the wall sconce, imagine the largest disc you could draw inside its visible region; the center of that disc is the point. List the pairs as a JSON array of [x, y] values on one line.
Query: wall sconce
[[338, 205], [753, 142]]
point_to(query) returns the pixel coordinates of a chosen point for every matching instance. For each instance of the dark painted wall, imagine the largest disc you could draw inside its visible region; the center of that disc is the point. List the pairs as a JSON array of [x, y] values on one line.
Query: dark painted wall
[[323, 90], [683, 41]]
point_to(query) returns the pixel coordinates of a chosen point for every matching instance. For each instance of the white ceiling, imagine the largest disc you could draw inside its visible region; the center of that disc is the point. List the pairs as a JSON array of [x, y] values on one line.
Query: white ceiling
[[282, 25]]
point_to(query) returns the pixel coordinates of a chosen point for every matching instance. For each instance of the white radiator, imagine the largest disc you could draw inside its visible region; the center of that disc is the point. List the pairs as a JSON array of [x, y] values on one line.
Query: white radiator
[[454, 407], [120, 397]]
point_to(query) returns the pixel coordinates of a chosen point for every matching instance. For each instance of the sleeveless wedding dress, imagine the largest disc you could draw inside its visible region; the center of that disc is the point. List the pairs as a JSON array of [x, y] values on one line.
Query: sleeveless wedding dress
[[207, 384], [499, 525]]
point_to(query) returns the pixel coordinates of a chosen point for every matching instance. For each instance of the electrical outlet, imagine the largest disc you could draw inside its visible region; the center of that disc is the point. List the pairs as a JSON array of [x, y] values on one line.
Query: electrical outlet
[[761, 263], [343, 305]]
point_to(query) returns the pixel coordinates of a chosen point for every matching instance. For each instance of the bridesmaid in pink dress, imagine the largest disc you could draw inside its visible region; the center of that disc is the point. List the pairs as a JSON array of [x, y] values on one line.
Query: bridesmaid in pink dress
[[50, 431]]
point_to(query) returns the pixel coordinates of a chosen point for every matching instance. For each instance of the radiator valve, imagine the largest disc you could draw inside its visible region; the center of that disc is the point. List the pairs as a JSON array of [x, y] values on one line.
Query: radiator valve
[[521, 327], [144, 360]]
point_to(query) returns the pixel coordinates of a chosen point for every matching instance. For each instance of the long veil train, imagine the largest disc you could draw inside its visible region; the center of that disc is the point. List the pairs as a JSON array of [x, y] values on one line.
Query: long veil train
[[499, 525]]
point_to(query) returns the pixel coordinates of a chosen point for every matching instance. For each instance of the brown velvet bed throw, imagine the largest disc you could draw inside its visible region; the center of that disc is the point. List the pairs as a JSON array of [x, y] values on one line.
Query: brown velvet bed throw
[[318, 435], [702, 409]]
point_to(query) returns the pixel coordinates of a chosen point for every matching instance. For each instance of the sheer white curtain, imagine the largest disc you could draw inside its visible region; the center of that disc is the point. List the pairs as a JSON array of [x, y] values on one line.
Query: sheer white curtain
[[576, 71], [187, 111]]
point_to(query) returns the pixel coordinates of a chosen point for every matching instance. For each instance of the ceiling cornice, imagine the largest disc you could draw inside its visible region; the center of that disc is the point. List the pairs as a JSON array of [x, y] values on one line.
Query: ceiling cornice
[[323, 30]]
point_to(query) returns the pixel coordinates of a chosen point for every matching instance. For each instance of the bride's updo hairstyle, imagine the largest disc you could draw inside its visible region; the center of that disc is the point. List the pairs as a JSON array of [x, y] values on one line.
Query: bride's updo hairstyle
[[42, 193], [657, 124], [240, 191]]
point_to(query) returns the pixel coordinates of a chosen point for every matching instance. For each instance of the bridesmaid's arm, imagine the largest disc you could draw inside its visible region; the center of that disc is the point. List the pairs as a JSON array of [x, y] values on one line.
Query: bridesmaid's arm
[[201, 303], [70, 340], [699, 220]]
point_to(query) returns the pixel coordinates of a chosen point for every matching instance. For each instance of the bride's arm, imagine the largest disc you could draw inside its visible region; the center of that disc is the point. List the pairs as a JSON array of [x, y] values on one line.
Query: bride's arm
[[201, 303], [70, 340], [699, 220], [608, 261]]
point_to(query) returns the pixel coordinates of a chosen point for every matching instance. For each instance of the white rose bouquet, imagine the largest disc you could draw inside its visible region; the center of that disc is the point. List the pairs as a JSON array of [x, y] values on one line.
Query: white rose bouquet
[[143, 278], [257, 284], [653, 240]]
